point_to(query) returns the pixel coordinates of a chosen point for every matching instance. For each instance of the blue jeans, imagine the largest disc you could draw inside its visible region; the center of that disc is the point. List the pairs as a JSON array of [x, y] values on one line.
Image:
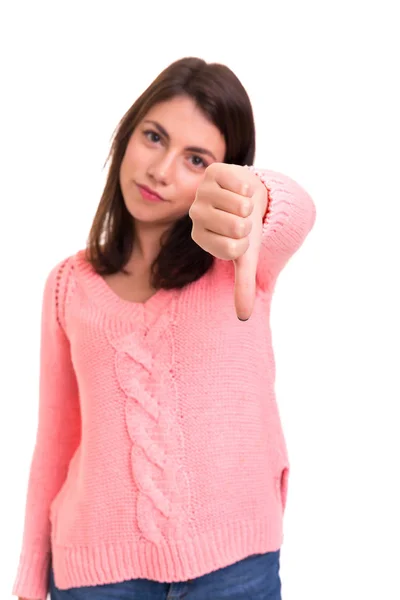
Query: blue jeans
[[254, 578]]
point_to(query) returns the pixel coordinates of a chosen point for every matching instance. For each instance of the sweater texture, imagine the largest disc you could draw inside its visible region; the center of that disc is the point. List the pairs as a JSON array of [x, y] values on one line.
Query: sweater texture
[[159, 451]]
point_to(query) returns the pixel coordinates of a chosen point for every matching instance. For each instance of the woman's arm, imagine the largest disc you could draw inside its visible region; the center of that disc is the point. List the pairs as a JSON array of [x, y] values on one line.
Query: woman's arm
[[57, 437], [256, 218], [289, 218]]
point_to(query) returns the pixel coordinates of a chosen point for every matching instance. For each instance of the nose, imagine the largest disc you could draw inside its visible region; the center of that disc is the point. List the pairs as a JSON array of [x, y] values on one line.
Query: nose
[[161, 169]]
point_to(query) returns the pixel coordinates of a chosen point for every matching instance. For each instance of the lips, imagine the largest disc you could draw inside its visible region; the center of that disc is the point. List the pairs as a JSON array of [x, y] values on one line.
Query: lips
[[150, 194]]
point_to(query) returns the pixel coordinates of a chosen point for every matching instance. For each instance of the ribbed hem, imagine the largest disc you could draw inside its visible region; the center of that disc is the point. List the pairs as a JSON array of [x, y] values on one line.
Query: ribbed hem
[[32, 576], [191, 558]]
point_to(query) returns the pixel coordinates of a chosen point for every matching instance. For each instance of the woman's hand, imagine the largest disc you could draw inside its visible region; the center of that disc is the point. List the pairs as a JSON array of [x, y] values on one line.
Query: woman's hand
[[227, 217]]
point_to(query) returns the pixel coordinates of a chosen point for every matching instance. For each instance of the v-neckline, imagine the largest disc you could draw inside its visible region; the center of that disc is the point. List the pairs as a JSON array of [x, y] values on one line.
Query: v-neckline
[[110, 301]]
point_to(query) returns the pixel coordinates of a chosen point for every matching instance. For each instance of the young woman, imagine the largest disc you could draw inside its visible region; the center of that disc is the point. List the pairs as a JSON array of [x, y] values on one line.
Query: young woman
[[160, 466]]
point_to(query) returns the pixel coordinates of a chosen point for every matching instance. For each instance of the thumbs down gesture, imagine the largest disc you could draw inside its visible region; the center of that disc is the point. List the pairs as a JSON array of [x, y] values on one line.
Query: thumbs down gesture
[[227, 216]]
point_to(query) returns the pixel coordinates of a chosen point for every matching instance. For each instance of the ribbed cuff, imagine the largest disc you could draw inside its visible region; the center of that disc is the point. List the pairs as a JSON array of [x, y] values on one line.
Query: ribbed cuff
[[32, 576], [261, 175]]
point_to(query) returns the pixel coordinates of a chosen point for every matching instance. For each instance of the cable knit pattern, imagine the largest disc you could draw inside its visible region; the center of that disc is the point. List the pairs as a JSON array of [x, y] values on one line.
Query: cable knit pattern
[[153, 429], [159, 452]]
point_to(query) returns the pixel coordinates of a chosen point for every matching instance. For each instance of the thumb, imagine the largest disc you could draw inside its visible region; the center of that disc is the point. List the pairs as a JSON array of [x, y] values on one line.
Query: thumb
[[245, 285], [246, 265]]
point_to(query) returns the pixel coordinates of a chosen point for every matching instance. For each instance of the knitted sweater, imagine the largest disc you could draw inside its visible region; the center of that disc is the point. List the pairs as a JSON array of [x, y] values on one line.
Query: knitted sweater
[[159, 451]]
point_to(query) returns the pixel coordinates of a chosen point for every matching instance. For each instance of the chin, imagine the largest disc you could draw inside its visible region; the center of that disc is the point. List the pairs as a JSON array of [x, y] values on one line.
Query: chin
[[148, 215]]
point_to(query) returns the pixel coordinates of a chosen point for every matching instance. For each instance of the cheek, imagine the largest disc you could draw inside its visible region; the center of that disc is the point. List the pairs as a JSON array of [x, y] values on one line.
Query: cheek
[[132, 156]]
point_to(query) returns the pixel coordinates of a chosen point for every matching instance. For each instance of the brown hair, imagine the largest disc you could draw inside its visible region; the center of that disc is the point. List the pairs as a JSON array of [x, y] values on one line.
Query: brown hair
[[223, 100]]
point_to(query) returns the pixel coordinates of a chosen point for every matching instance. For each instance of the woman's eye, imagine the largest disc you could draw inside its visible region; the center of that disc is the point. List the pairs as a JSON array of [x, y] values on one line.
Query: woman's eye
[[197, 161], [152, 136]]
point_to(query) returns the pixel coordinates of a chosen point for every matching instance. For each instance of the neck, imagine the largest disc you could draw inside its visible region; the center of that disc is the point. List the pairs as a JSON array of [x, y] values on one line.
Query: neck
[[147, 243]]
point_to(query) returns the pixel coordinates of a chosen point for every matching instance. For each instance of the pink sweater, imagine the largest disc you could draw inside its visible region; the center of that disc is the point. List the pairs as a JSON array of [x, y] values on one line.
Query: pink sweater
[[159, 451]]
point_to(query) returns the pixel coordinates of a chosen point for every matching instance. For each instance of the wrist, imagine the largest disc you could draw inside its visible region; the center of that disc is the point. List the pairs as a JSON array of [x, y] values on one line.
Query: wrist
[[262, 194]]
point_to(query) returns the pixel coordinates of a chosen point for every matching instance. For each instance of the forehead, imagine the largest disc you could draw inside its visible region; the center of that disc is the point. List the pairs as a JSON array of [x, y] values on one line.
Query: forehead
[[185, 123]]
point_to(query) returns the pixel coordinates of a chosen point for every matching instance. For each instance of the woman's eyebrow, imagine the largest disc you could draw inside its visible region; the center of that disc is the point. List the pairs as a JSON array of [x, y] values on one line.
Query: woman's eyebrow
[[164, 133]]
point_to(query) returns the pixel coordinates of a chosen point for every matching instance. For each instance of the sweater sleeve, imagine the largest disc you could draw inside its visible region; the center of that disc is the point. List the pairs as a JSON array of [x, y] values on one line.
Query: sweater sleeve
[[290, 216], [57, 437]]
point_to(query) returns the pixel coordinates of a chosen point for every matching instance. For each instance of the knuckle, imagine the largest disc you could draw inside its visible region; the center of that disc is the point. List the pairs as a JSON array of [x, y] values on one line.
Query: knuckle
[[246, 207], [211, 169], [242, 228], [232, 249], [194, 211], [239, 228], [193, 234]]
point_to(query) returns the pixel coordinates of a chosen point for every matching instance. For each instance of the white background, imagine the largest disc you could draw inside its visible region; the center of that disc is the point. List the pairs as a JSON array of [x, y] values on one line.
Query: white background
[[324, 82]]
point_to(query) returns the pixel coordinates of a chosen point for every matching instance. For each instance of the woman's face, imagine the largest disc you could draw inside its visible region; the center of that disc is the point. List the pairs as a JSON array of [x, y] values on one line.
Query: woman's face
[[168, 153]]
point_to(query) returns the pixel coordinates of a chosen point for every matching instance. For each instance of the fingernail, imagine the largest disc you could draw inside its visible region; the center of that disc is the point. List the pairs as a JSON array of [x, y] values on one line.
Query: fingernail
[[243, 319]]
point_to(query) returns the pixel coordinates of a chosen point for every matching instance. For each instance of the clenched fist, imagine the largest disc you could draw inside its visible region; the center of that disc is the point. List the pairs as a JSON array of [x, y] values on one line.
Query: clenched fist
[[227, 216]]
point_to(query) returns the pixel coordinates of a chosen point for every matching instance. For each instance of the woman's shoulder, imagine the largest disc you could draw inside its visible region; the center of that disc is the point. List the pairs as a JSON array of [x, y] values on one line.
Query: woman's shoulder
[[63, 268], [62, 276], [59, 284]]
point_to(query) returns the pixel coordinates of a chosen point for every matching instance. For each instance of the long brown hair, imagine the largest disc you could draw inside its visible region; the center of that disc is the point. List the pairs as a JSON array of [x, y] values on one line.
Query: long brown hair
[[223, 100]]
